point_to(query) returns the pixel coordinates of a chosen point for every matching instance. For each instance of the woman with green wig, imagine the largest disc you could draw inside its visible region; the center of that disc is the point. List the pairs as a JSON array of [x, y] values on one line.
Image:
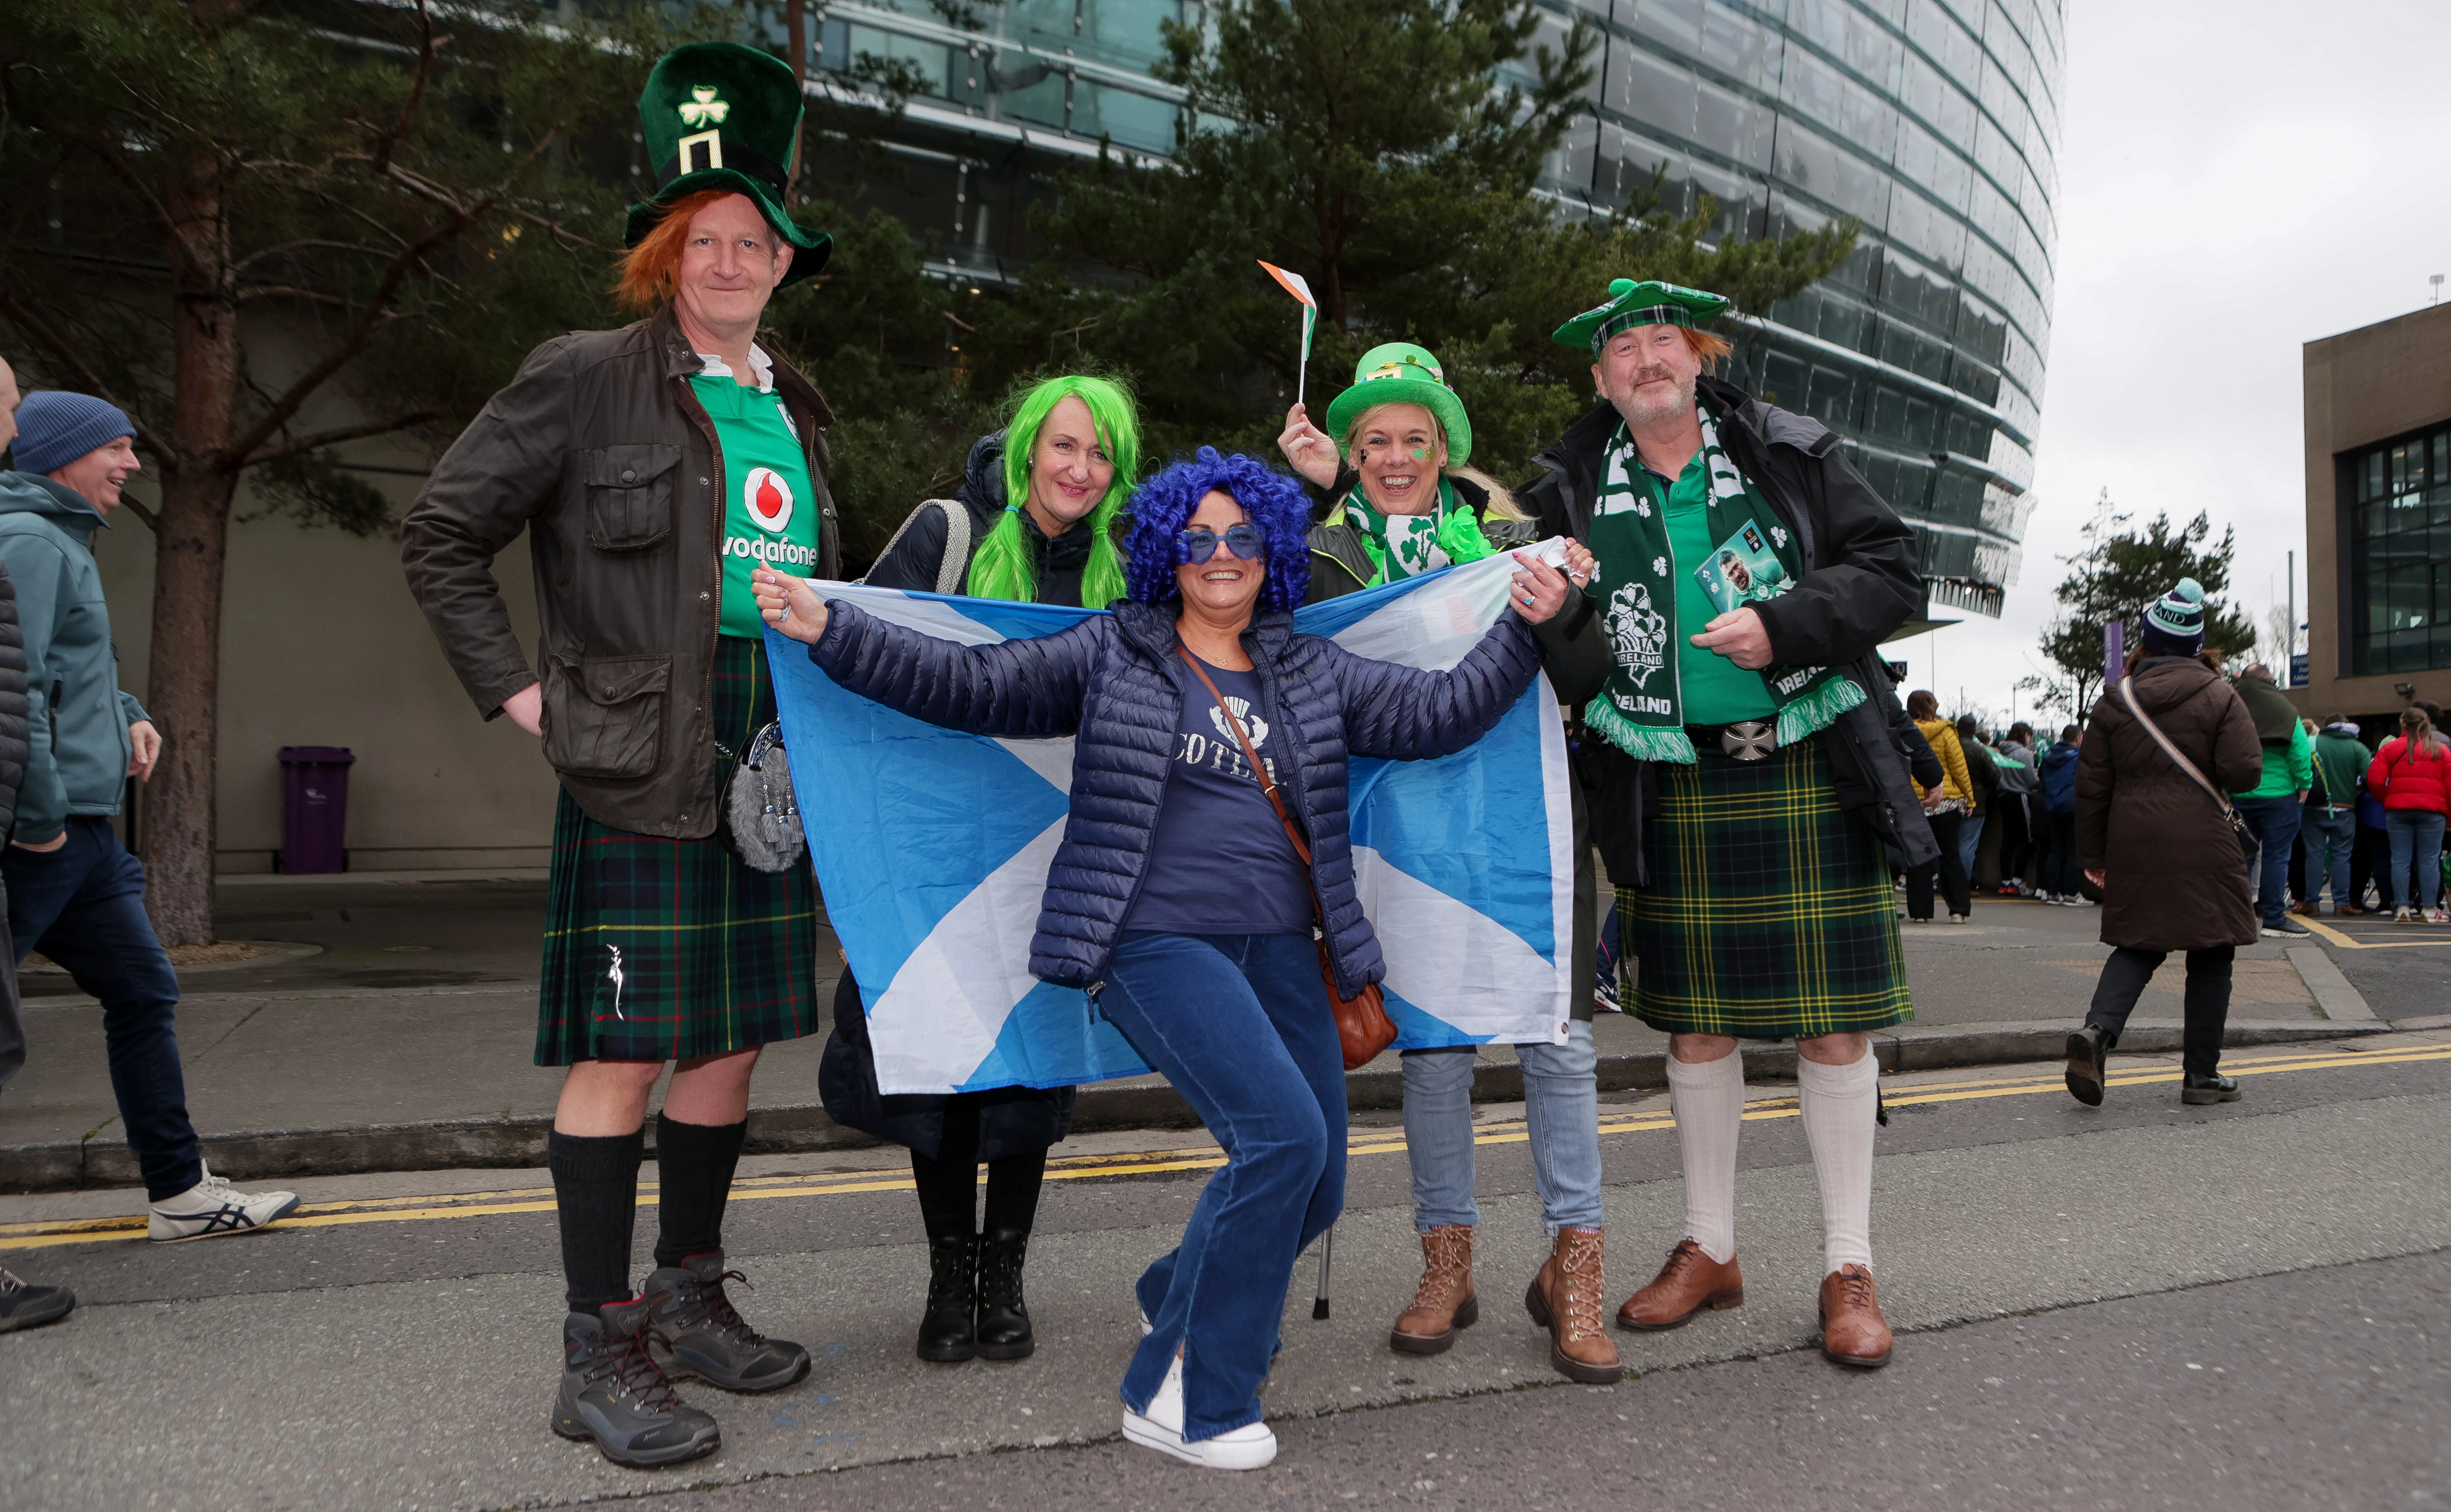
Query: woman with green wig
[[1035, 519]]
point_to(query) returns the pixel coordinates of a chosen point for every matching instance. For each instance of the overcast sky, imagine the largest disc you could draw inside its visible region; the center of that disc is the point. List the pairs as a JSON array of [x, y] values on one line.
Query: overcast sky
[[2239, 177]]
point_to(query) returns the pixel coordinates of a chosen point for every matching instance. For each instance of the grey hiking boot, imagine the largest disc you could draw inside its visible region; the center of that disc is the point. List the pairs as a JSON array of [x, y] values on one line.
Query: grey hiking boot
[[693, 1326], [614, 1393]]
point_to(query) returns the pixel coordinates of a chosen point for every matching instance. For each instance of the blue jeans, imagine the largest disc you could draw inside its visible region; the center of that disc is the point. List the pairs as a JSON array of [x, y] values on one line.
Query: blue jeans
[[1561, 1105], [2331, 836], [1239, 1025], [2416, 834], [2274, 823], [82, 906], [1970, 840]]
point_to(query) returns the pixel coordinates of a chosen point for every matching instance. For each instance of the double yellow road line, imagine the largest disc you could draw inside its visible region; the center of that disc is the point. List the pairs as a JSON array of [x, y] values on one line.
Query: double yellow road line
[[1096, 1168]]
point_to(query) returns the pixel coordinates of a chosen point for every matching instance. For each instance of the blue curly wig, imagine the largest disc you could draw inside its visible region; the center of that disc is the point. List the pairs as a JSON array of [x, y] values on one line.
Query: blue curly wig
[[1275, 502]]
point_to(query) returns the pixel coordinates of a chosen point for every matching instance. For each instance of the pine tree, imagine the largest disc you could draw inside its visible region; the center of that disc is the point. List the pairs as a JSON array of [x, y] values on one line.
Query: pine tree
[[2118, 574]]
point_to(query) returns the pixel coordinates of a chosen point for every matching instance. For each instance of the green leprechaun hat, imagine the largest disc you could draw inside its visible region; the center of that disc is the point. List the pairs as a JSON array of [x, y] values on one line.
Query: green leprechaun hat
[[1632, 303], [717, 115], [1401, 373]]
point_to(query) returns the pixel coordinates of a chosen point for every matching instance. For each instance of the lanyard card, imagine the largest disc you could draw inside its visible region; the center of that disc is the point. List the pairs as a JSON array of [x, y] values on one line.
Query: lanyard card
[[1743, 570]]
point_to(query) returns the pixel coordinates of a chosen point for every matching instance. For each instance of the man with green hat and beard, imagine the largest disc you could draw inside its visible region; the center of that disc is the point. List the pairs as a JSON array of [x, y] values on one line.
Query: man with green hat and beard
[[651, 468], [1746, 783]]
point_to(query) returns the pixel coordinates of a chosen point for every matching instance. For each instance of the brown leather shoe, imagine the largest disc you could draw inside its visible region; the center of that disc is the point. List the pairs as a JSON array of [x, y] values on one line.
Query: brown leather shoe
[[1444, 1301], [1566, 1298], [1852, 1331], [1690, 1282]]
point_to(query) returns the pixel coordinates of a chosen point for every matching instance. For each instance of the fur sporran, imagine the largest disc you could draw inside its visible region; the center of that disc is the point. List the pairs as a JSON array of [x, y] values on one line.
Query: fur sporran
[[759, 809]]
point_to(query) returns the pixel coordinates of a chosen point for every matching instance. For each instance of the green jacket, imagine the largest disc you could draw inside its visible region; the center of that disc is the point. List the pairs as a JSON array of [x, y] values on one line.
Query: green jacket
[[76, 717], [2288, 769], [2343, 759]]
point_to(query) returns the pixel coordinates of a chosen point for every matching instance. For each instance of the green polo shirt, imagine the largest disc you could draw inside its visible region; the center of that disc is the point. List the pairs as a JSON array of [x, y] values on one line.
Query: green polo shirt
[[770, 512], [1715, 690]]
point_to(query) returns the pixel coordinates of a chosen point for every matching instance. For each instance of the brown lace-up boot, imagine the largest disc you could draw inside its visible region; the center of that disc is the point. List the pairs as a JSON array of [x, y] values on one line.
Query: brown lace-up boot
[[1690, 1282], [1567, 1299], [1852, 1331], [1444, 1301]]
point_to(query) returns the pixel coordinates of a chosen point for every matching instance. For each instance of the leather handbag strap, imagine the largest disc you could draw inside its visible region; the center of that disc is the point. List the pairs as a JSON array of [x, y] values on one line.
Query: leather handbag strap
[[1259, 770], [2178, 758]]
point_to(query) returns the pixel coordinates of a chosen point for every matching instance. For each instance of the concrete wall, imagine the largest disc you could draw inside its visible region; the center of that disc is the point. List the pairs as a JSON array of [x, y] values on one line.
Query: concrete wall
[[322, 646], [2362, 386]]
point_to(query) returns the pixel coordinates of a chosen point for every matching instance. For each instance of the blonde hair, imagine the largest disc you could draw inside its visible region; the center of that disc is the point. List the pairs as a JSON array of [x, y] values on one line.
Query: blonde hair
[[1501, 501]]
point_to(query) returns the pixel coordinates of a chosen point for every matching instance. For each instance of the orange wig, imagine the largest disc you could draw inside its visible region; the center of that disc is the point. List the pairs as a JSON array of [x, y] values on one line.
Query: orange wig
[[645, 284]]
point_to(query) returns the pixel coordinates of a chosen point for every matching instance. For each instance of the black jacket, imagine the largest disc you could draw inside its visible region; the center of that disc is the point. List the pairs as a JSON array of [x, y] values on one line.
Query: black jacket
[[1859, 583], [12, 706], [911, 562]]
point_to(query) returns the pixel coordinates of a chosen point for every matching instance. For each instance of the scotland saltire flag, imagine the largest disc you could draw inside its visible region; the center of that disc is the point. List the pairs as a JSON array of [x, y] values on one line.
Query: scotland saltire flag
[[932, 849]]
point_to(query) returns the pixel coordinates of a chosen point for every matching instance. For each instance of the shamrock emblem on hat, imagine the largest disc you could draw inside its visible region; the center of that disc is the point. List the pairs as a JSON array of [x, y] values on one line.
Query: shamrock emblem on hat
[[704, 107]]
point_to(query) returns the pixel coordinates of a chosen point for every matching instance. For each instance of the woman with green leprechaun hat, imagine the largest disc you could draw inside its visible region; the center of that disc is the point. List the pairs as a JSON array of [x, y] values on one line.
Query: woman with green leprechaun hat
[[1749, 785], [651, 467], [1401, 504]]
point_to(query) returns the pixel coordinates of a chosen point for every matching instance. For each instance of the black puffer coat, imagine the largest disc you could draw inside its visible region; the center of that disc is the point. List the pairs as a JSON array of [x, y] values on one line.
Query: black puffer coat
[[1106, 680], [911, 561], [12, 705]]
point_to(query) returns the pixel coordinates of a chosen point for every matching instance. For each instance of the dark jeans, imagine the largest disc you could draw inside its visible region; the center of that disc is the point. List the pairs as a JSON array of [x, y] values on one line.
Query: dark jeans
[[2017, 839], [1948, 866], [2208, 998], [1239, 1025], [2370, 862], [2060, 872], [83, 904], [2274, 823]]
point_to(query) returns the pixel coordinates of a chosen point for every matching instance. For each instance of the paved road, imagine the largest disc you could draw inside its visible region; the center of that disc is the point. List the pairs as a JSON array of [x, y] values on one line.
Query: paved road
[[2055, 1269]]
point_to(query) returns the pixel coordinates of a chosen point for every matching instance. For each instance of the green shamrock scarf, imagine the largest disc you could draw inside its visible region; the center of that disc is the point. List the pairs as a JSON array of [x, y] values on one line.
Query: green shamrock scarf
[[1641, 711], [1408, 545]]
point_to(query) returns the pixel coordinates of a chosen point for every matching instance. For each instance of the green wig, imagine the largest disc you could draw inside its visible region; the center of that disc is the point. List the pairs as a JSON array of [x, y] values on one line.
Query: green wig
[[1002, 568]]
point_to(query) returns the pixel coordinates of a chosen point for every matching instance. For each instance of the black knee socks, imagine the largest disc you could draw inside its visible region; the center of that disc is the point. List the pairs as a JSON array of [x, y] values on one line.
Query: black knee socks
[[693, 1165], [596, 1194]]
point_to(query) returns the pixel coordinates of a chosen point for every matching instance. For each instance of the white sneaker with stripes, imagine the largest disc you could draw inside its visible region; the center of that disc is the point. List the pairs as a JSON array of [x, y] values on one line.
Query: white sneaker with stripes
[[213, 1207]]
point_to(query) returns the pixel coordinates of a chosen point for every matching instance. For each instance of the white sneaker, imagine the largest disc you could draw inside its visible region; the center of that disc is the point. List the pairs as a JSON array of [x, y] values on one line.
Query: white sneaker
[[1249, 1447], [213, 1207]]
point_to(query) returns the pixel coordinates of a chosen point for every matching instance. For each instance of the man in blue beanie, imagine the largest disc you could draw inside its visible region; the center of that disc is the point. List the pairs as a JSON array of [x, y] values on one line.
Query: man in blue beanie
[[74, 893]]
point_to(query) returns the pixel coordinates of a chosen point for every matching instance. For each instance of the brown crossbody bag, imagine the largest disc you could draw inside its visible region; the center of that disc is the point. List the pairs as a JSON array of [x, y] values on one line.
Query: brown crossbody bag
[[1362, 1021]]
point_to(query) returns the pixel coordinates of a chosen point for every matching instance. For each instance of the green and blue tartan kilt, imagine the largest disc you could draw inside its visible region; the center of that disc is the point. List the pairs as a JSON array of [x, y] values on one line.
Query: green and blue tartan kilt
[[1770, 912], [664, 950]]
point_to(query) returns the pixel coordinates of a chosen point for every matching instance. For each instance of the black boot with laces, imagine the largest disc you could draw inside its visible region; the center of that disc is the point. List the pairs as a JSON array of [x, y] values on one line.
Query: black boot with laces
[[1004, 1321], [947, 1331], [614, 1393]]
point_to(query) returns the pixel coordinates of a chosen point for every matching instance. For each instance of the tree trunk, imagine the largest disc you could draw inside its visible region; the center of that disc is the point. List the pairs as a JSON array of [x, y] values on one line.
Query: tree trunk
[[796, 27], [191, 547]]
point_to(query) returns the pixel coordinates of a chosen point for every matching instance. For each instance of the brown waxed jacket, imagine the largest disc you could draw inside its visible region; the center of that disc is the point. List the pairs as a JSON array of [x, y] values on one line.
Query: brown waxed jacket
[[599, 451], [2177, 878]]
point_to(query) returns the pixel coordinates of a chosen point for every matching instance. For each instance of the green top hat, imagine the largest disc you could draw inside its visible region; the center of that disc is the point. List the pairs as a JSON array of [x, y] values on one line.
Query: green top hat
[[1401, 373], [1631, 305], [717, 115]]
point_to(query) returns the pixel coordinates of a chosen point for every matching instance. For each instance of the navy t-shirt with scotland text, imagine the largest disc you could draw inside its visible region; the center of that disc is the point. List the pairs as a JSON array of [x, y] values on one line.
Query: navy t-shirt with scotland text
[[1219, 862]]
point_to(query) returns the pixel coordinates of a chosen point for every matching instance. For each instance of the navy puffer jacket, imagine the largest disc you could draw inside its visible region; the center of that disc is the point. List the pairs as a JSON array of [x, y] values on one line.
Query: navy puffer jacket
[[1106, 682]]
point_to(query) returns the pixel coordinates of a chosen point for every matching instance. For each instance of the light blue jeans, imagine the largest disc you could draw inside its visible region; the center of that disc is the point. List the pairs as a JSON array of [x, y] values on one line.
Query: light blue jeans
[[1970, 840], [2415, 834], [2332, 835], [1561, 1103]]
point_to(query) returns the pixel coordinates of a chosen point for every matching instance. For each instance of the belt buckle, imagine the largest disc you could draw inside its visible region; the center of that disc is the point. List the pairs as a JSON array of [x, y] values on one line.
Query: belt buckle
[[1749, 739]]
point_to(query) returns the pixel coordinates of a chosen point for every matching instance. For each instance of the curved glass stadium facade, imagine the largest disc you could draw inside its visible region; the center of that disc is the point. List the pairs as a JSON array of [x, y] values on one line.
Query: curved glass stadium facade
[[1933, 122]]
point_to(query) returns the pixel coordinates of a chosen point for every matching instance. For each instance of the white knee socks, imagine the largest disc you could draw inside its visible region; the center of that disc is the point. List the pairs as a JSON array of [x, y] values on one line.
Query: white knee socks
[[1709, 1098], [1839, 1103]]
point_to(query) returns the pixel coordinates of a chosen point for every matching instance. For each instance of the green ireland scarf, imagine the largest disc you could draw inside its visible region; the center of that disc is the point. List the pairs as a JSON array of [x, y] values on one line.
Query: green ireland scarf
[[1641, 711], [1408, 545]]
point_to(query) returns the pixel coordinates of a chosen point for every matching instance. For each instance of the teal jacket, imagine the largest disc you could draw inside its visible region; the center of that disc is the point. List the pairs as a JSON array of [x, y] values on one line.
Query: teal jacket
[[2288, 769], [76, 717]]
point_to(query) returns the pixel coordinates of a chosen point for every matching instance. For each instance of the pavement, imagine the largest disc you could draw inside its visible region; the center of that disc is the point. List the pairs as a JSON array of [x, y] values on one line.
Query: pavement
[[2141, 1304], [394, 1030]]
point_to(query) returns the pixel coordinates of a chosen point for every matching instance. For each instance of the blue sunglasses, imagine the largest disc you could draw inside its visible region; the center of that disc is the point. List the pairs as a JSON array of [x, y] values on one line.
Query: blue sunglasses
[[1199, 544]]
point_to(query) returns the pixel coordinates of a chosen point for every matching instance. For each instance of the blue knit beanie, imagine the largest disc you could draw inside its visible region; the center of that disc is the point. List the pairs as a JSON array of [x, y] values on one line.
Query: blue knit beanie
[[54, 428], [2175, 625]]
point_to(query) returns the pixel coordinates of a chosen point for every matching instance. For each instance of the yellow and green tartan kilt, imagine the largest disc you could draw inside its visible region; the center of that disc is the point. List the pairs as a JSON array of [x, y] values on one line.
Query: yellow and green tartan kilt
[[664, 950], [1770, 912]]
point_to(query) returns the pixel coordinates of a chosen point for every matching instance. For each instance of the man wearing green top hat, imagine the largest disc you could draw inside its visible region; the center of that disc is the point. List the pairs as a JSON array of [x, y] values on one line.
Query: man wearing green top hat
[[1398, 500], [1747, 784], [651, 468]]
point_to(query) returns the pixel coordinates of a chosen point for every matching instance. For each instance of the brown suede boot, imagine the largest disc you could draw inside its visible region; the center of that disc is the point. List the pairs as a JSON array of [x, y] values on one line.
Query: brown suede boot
[[1567, 1298], [1444, 1301], [1852, 1331], [1690, 1282]]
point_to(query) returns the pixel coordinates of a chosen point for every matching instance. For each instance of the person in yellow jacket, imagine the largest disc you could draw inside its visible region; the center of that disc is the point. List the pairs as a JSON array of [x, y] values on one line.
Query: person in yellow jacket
[[1945, 806]]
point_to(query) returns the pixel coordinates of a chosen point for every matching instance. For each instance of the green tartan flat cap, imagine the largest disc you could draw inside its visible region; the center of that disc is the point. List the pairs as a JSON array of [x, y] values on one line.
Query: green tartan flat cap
[[1632, 303], [717, 115]]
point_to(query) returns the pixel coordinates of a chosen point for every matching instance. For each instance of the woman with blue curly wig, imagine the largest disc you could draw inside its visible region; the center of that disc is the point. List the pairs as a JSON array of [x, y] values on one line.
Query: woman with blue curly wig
[[1178, 899]]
